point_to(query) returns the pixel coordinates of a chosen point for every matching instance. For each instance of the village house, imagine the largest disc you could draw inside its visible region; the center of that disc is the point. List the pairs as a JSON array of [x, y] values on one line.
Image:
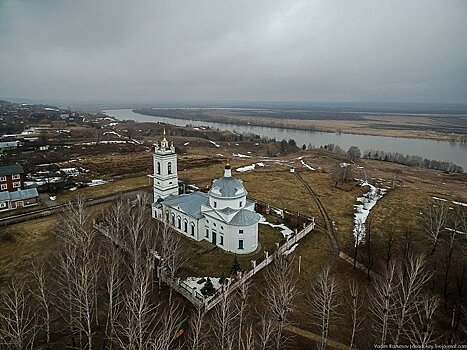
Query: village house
[[12, 190]]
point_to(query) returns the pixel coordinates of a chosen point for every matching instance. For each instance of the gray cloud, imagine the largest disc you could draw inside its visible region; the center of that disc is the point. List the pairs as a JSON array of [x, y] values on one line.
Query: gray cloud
[[146, 50]]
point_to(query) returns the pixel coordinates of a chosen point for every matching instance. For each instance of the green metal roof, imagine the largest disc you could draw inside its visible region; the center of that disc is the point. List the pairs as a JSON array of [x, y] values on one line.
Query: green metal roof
[[228, 187], [245, 218], [11, 169], [188, 203], [18, 195]]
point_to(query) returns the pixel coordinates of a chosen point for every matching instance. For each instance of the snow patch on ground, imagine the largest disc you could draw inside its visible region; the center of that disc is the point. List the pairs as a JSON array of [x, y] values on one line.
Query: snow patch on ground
[[97, 182], [186, 143], [239, 155], [215, 144], [193, 283], [454, 202], [284, 229], [112, 133], [368, 201], [246, 168], [249, 167], [306, 165]]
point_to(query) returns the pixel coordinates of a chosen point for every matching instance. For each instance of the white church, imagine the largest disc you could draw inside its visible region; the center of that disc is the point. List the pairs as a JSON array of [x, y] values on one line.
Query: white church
[[224, 216]]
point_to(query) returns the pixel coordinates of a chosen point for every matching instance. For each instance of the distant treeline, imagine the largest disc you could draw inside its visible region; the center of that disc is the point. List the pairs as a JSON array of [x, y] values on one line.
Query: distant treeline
[[395, 157], [413, 160]]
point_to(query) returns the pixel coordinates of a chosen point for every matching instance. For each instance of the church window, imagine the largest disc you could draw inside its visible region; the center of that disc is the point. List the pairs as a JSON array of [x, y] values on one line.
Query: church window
[[173, 219], [207, 233], [240, 244], [192, 229], [179, 222], [169, 168], [186, 226], [240, 204], [221, 242], [240, 231], [222, 227], [207, 221], [158, 168], [215, 204], [214, 224]]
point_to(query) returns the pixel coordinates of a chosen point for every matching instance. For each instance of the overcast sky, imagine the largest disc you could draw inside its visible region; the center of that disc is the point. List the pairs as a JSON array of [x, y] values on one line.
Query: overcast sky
[[176, 51]]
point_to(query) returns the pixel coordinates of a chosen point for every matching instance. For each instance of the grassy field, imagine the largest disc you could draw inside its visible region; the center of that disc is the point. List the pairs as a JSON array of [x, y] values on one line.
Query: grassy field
[[27, 241], [207, 260]]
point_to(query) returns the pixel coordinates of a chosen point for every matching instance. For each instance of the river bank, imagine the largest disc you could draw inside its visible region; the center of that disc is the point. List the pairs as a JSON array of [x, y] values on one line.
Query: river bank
[[430, 149], [373, 125]]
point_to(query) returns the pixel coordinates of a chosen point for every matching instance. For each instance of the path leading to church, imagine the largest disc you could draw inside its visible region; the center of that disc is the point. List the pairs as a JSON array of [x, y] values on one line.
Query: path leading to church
[[329, 228]]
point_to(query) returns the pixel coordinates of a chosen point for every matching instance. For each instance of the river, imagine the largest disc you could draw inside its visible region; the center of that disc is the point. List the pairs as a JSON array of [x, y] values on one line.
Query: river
[[431, 149]]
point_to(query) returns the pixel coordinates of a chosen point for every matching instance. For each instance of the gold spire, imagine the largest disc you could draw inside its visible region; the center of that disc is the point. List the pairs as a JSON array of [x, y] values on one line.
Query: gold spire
[[164, 139]]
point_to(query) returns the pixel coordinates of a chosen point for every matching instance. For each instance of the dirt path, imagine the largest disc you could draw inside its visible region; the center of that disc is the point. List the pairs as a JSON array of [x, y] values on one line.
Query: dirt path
[[329, 228], [315, 337]]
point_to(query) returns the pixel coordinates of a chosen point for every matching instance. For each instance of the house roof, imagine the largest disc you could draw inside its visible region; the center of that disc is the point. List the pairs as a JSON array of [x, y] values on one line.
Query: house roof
[[11, 169], [188, 203], [245, 218], [18, 195]]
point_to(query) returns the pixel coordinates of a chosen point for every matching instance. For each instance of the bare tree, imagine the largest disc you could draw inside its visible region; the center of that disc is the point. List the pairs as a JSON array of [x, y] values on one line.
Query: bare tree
[[368, 253], [389, 245], [412, 276], [422, 327], [324, 303], [78, 268], [434, 218], [197, 334], [383, 304], [359, 234], [266, 332], [42, 294], [356, 304], [113, 274], [166, 327], [133, 331], [17, 318], [242, 295], [170, 251], [354, 153], [341, 173], [223, 327], [281, 292]]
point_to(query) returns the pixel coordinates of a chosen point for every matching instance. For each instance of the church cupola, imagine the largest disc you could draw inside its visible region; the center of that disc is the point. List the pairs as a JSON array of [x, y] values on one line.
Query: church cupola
[[228, 171]]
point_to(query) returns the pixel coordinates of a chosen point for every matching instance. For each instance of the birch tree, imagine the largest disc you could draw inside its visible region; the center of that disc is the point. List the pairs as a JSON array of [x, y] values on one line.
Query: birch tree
[[17, 318], [223, 327], [324, 304], [196, 334], [355, 302], [412, 277], [42, 295], [434, 218], [422, 326], [280, 294], [382, 303]]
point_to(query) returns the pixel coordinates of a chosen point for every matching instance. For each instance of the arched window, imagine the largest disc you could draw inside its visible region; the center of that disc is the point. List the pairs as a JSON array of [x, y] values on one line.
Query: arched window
[[192, 229], [185, 228], [158, 168], [173, 219], [169, 168], [167, 216], [179, 222]]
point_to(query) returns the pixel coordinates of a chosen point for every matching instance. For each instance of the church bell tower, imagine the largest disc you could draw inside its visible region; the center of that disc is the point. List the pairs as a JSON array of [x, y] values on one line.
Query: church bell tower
[[165, 170]]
